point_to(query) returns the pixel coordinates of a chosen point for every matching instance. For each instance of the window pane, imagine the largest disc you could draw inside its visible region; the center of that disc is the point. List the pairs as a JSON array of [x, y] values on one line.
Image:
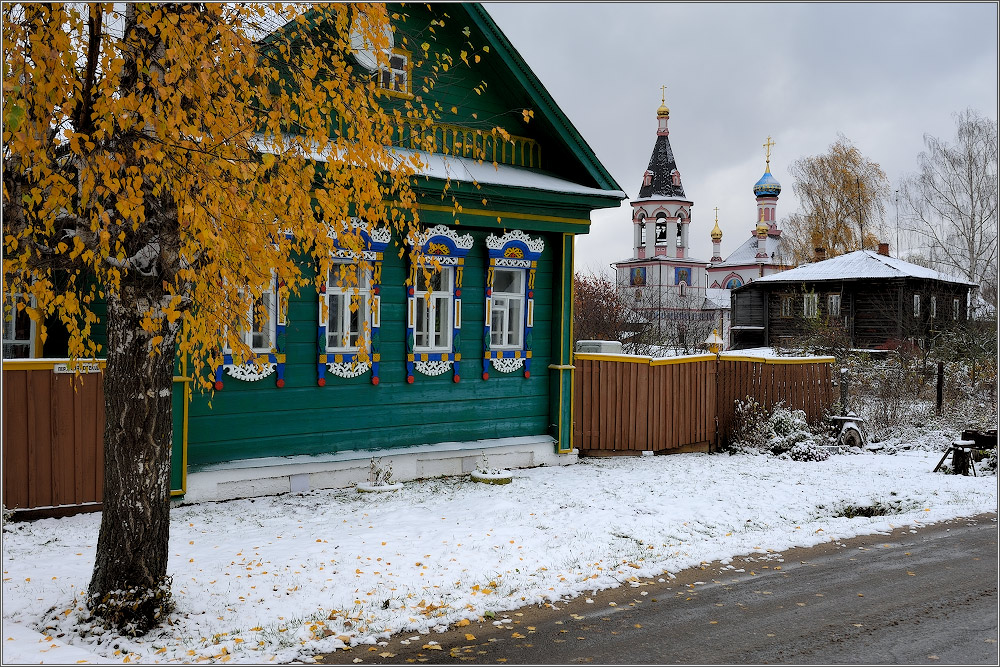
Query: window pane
[[499, 320], [261, 319], [435, 284], [442, 320], [423, 319], [514, 321], [335, 320], [508, 281]]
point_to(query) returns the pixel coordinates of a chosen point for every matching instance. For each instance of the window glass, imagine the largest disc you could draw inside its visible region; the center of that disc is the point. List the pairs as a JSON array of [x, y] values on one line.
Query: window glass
[[809, 303], [18, 329], [434, 310], [786, 306], [348, 306], [394, 77], [507, 315], [833, 305]]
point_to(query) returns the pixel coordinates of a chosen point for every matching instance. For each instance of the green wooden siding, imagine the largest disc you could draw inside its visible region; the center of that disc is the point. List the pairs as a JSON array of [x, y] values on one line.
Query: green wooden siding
[[257, 419]]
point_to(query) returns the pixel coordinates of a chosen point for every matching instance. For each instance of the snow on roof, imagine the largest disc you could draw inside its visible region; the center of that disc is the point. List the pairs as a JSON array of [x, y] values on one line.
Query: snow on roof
[[747, 253], [858, 265], [716, 298]]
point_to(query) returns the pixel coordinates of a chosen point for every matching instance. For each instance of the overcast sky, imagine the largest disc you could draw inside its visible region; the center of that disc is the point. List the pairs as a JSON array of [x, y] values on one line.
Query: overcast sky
[[882, 74]]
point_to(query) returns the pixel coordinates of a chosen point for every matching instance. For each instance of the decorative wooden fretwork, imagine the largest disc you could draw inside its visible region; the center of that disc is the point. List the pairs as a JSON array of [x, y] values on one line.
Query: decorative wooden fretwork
[[485, 145], [447, 249], [518, 251], [348, 363]]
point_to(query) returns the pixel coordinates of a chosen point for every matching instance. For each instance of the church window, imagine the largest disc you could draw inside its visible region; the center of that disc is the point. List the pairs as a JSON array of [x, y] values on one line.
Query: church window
[[661, 230], [683, 288], [680, 234], [18, 331], [675, 177]]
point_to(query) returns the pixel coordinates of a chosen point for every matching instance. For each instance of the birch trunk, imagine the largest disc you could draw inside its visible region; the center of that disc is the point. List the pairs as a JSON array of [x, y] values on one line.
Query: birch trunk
[[130, 588]]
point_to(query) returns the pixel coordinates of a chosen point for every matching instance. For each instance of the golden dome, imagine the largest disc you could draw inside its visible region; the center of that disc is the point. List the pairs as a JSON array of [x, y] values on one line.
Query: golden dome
[[663, 111], [716, 232], [761, 228]]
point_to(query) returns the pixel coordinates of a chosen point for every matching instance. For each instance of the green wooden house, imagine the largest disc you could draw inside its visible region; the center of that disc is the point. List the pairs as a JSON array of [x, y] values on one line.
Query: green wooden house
[[478, 359]]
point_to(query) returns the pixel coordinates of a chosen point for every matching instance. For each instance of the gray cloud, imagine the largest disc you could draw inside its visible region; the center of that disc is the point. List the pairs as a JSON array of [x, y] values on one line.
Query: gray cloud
[[883, 74]]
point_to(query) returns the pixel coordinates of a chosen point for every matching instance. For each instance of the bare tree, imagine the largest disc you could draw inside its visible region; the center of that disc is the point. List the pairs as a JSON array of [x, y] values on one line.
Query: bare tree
[[843, 196], [951, 202]]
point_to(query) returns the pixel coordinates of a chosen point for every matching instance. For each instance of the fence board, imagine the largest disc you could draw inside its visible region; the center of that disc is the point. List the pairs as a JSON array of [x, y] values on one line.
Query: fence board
[[53, 438], [637, 405]]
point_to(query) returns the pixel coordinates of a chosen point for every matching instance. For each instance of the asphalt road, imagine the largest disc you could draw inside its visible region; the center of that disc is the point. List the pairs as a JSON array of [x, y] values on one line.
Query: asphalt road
[[928, 597]]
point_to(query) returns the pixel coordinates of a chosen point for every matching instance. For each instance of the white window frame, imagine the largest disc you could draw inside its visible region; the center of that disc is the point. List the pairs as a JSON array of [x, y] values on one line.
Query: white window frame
[[955, 307], [916, 305], [246, 320], [10, 327], [340, 298], [427, 304], [933, 308], [810, 305], [833, 305], [503, 305]]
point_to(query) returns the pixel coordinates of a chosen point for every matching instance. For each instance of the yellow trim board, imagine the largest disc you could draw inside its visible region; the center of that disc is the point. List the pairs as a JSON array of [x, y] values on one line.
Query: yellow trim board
[[780, 360], [503, 214], [42, 364]]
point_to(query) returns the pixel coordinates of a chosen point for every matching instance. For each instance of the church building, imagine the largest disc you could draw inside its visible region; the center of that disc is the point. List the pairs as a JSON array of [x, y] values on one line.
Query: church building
[[761, 254], [666, 285]]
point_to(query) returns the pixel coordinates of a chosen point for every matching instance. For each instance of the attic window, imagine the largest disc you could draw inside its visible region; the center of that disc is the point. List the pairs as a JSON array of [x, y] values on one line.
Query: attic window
[[676, 176], [647, 178], [396, 77]]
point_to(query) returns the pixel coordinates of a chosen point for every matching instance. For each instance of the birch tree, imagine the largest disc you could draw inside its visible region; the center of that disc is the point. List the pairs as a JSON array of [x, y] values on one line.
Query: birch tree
[[950, 203], [165, 160], [842, 196]]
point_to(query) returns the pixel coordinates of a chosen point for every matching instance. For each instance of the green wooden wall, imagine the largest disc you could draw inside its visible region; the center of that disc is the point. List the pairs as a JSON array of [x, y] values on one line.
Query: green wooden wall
[[256, 419]]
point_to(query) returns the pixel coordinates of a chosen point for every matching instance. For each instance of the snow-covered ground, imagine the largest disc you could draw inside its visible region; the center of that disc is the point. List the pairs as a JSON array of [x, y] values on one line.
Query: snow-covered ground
[[283, 578]]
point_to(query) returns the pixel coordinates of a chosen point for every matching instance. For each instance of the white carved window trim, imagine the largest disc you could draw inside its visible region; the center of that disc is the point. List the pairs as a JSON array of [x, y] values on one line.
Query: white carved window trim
[[504, 303], [426, 302], [345, 296]]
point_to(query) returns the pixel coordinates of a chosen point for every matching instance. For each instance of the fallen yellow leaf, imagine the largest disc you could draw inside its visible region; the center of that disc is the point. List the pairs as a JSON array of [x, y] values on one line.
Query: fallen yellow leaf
[[469, 637]]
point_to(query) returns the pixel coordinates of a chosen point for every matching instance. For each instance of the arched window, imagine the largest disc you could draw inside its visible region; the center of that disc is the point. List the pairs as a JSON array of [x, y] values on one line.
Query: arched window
[[733, 283]]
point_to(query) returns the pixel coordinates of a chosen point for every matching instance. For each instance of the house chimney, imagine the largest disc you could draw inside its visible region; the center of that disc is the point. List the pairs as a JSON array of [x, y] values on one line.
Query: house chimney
[[883, 249], [820, 253]]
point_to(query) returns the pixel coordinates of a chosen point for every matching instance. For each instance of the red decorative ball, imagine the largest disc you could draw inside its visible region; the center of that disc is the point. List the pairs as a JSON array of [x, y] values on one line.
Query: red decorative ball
[[489, 292], [409, 379], [458, 292], [218, 385], [375, 290], [531, 294], [280, 383], [321, 382], [527, 374], [486, 376], [456, 378], [409, 291], [375, 380]]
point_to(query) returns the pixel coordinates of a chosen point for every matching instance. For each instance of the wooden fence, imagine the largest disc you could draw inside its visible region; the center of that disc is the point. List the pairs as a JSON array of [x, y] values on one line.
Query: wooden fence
[[53, 435], [627, 404]]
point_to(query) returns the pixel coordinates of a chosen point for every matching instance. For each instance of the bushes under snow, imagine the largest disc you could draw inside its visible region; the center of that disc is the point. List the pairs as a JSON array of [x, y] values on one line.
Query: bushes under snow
[[783, 432]]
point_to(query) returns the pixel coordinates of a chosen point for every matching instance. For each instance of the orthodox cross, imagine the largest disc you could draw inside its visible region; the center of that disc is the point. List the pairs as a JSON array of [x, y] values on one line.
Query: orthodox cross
[[716, 214], [767, 147], [663, 94]]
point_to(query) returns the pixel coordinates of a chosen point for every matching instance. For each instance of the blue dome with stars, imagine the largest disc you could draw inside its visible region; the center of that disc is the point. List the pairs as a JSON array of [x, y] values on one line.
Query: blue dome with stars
[[768, 185]]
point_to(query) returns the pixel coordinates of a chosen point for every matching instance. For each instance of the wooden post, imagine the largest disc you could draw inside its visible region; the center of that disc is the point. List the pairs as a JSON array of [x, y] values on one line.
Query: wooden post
[[843, 391], [940, 386]]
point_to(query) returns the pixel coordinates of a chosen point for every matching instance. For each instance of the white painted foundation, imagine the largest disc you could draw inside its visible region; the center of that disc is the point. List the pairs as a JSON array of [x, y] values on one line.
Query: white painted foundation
[[298, 474]]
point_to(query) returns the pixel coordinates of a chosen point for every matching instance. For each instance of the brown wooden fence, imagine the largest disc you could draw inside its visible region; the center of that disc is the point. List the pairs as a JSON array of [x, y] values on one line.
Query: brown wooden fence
[[626, 404], [53, 434]]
